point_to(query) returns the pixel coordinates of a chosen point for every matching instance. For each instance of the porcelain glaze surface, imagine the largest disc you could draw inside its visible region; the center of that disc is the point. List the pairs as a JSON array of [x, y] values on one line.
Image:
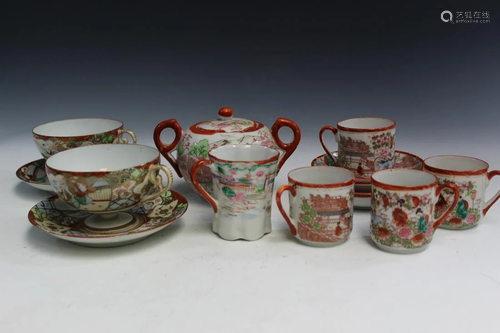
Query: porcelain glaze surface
[[471, 182], [55, 217], [193, 144], [321, 213], [402, 209], [54, 137], [242, 192]]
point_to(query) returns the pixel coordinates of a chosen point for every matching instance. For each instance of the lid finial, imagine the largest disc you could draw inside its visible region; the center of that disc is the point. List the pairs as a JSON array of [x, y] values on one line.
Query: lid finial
[[225, 113]]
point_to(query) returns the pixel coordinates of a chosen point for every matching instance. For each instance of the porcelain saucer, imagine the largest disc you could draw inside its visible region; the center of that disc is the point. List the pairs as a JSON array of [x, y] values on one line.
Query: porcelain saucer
[[33, 174], [60, 220], [402, 160]]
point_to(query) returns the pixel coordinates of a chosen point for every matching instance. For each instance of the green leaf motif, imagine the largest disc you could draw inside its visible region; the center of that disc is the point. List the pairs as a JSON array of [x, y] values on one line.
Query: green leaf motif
[[221, 170], [306, 207], [317, 226], [312, 213], [228, 192], [307, 219]]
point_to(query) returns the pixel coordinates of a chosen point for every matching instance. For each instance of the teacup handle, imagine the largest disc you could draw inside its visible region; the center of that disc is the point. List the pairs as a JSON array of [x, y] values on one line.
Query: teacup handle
[[494, 199], [121, 139], [194, 179], [439, 189], [289, 148], [157, 180], [283, 188], [328, 152]]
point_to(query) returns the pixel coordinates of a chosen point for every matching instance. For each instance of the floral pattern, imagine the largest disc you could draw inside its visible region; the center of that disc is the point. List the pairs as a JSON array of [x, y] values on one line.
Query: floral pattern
[[467, 212], [402, 220], [103, 191], [226, 125], [54, 216]]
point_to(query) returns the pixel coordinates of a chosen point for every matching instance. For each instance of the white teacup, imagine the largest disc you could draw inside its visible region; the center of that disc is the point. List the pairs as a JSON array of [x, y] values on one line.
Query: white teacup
[[56, 136], [107, 179]]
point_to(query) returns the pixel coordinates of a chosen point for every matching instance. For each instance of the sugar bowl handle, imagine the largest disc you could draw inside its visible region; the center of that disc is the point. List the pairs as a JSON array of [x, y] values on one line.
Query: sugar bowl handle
[[439, 189], [196, 184], [289, 148], [287, 218], [121, 139], [166, 150], [494, 199], [328, 152]]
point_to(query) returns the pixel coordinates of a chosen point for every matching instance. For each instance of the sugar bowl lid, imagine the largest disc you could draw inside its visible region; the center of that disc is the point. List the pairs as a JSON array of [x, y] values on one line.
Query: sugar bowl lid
[[226, 123]]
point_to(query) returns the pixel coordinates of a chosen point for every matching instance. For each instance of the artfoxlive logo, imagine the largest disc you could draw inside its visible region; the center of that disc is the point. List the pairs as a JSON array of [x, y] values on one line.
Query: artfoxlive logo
[[466, 17]]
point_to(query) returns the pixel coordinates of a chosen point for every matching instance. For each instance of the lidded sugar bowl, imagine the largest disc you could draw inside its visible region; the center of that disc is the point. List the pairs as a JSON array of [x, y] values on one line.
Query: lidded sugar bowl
[[194, 143]]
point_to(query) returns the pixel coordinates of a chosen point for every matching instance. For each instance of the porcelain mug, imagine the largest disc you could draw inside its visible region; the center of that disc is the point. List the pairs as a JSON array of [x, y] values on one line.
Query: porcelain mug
[[54, 137], [243, 181], [365, 145], [402, 209], [472, 178], [106, 179], [321, 204]]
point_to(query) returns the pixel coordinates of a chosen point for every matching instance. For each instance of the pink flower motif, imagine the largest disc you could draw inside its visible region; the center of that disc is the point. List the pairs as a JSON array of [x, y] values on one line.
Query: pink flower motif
[[232, 171], [471, 218], [228, 178], [405, 233], [260, 174], [385, 152], [464, 186], [424, 197], [239, 197]]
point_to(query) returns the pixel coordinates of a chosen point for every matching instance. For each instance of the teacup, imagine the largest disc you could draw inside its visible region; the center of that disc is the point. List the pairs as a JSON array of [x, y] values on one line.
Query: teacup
[[53, 137], [365, 145], [243, 181], [107, 179], [472, 178], [321, 204], [402, 209]]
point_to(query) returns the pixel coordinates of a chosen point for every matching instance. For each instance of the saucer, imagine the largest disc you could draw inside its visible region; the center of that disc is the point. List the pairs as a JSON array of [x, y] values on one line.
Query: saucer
[[60, 220], [33, 174], [402, 160]]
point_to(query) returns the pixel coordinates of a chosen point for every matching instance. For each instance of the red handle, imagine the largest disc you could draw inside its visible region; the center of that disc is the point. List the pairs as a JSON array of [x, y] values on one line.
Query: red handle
[[280, 206], [194, 179], [165, 149], [328, 152], [439, 189], [289, 148], [490, 202]]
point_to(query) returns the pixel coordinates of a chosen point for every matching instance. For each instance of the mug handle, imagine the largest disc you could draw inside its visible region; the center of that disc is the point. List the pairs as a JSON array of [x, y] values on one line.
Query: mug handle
[[438, 191], [120, 139], [328, 152], [289, 148], [166, 150], [288, 220], [194, 179], [490, 202], [157, 180]]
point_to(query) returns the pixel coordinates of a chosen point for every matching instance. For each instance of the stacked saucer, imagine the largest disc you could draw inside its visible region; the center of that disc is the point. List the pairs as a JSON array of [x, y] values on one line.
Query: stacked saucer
[[363, 186]]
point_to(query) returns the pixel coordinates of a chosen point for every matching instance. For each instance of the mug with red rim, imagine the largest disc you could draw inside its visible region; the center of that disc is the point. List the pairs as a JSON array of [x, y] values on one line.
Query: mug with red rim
[[472, 177], [321, 200], [365, 145], [402, 209]]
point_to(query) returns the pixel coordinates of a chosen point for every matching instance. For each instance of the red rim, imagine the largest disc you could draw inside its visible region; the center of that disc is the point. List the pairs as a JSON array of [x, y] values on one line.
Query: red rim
[[391, 187], [333, 185], [269, 160], [456, 172], [84, 136], [351, 129]]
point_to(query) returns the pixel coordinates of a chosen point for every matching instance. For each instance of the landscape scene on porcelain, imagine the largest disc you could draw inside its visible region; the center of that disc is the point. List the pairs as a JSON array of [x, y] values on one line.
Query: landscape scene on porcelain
[[103, 178], [51, 138], [322, 214]]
